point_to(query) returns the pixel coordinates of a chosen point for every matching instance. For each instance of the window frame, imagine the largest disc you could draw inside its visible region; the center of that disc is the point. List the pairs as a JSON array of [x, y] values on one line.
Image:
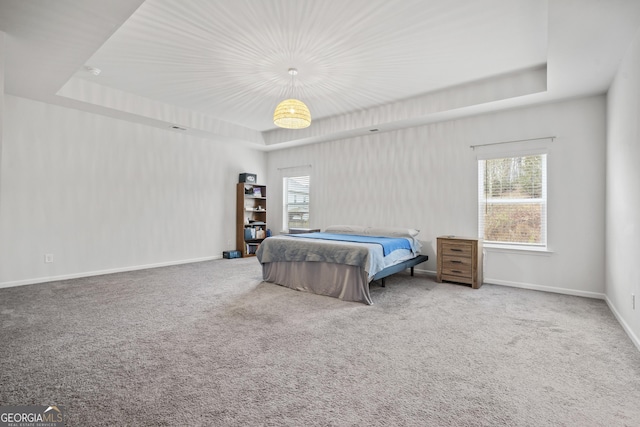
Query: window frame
[[493, 153], [285, 199]]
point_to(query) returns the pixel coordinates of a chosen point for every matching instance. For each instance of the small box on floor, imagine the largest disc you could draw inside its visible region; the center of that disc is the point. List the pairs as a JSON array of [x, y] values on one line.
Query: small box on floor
[[231, 254]]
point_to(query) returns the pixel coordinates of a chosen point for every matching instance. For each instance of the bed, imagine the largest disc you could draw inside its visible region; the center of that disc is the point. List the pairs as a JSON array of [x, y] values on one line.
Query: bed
[[340, 262]]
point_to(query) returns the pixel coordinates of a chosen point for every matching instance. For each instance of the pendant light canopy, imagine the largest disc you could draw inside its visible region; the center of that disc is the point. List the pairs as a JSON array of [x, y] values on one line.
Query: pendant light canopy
[[292, 113]]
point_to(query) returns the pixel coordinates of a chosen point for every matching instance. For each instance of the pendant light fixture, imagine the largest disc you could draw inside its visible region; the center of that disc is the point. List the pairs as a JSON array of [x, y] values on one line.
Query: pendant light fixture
[[292, 113]]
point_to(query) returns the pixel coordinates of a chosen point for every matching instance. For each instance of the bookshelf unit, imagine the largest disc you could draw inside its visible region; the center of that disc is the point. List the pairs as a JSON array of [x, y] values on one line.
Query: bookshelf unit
[[251, 217]]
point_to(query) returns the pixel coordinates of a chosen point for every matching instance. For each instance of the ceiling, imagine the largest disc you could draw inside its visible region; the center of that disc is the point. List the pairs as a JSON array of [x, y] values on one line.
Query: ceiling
[[217, 68]]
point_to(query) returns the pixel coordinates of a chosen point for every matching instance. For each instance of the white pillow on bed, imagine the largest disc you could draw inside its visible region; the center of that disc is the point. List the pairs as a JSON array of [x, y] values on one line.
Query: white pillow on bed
[[392, 232], [409, 233], [373, 231], [346, 229]]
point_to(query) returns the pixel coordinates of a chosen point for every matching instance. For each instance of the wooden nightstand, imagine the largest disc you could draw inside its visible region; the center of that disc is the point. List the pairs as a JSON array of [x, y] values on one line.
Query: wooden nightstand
[[460, 260]]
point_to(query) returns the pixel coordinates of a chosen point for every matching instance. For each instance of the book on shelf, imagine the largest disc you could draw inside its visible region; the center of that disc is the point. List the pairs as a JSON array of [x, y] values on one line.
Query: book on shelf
[[252, 248]]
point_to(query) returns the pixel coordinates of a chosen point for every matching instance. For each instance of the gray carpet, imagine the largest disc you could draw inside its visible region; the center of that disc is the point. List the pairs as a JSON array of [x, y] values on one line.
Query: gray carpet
[[209, 344]]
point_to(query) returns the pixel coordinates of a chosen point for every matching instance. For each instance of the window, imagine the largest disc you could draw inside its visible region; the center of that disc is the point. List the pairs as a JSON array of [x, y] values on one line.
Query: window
[[296, 202], [512, 200]]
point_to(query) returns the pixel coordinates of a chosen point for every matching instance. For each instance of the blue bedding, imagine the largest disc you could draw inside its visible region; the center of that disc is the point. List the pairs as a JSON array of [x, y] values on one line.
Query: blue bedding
[[389, 244]]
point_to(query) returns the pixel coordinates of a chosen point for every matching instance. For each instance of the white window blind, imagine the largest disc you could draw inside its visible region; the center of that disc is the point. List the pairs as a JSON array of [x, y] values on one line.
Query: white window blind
[[296, 201], [512, 200]]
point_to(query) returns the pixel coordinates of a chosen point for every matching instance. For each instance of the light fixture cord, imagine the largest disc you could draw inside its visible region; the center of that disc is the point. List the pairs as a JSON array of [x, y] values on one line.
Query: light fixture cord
[[293, 84]]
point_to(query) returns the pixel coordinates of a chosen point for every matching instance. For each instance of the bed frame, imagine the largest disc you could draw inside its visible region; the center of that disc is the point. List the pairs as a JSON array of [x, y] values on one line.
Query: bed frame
[[410, 263]]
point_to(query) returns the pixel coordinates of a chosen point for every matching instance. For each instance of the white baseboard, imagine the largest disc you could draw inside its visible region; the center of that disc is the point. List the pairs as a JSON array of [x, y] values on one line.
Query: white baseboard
[[625, 326], [421, 271], [531, 286], [565, 291], [101, 272]]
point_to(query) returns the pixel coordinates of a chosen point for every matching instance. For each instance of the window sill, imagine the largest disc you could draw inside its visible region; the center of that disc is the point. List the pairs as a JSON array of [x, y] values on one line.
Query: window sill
[[514, 249]]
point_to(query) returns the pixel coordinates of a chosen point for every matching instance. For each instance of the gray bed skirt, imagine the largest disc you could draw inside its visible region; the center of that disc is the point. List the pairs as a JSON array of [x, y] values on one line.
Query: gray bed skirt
[[347, 282]]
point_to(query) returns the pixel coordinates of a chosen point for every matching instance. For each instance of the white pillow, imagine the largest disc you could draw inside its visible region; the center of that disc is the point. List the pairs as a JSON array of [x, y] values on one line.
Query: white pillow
[[392, 232], [408, 233], [346, 229]]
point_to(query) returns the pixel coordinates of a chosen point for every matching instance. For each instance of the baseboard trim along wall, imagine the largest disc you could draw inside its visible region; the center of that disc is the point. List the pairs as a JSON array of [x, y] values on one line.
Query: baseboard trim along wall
[[101, 272], [625, 326], [531, 286], [565, 291]]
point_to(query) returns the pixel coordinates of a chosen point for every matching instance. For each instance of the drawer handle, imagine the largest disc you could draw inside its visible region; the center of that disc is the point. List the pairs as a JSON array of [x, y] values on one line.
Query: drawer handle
[[453, 261], [456, 250], [456, 271]]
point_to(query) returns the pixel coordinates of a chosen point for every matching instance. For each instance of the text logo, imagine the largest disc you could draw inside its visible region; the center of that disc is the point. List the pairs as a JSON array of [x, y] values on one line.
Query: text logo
[[31, 416]]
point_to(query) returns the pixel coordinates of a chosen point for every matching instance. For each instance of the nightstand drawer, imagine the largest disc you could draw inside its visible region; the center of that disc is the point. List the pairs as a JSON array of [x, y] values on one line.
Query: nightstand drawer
[[458, 279], [457, 266], [457, 249]]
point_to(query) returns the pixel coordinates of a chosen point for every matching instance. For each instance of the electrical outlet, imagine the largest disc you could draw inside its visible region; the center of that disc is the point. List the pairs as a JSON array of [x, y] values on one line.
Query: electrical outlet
[[48, 258]]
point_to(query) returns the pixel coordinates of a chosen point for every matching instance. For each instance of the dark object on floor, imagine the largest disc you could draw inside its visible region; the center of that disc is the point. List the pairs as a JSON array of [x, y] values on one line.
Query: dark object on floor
[[231, 254]]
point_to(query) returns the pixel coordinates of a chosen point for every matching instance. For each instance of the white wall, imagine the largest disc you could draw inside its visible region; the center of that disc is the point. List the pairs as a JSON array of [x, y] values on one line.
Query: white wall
[[105, 195], [426, 178], [623, 192], [2, 61]]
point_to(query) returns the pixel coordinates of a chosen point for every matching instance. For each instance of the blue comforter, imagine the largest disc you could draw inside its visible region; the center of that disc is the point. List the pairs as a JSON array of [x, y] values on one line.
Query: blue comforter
[[389, 244]]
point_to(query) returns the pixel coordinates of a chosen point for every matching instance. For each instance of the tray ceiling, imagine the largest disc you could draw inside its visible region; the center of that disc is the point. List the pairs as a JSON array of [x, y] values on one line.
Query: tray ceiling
[[219, 68]]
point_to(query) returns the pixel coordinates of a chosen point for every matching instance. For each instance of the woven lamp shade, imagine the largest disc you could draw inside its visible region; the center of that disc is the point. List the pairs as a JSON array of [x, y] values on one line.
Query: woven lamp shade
[[292, 114]]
